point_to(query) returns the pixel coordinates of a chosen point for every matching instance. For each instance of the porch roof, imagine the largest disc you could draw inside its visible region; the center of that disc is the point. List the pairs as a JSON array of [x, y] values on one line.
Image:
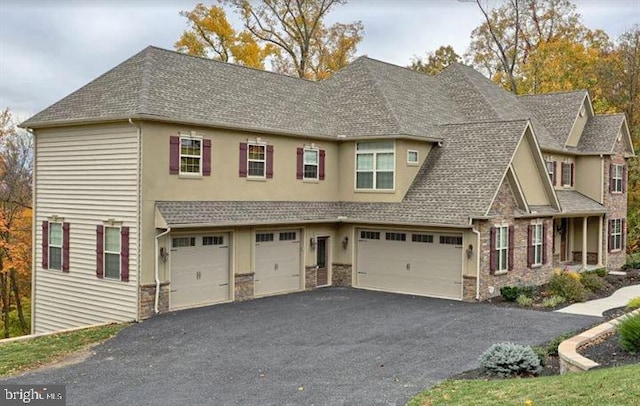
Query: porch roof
[[573, 202]]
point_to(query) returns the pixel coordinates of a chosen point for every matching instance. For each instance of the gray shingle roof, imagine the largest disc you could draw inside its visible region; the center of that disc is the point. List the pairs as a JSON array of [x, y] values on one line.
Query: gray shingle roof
[[600, 133], [575, 202]]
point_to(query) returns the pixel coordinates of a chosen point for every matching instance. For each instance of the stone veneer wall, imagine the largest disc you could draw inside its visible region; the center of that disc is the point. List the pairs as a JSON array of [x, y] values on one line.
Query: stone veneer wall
[[341, 275], [503, 209], [469, 288], [310, 277], [244, 283], [148, 298], [617, 205]]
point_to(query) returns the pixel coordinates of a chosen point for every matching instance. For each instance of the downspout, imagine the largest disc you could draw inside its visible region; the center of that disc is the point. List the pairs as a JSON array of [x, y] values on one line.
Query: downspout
[[156, 271], [477, 233]]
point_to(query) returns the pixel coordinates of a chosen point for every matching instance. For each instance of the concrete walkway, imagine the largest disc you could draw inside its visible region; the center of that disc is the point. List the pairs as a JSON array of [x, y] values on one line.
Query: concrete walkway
[[596, 307]]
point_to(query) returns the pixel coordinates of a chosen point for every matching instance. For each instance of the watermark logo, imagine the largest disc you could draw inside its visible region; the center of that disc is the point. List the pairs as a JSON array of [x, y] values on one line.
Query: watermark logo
[[38, 395]]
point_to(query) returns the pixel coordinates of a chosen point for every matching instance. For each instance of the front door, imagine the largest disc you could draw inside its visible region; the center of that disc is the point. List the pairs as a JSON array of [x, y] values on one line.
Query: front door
[[322, 278]]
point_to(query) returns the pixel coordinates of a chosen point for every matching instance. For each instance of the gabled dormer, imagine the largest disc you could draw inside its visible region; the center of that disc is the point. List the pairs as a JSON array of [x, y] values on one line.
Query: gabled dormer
[[583, 114]]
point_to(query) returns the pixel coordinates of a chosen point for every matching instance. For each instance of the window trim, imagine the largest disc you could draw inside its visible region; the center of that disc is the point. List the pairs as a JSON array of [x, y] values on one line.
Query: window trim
[[569, 172], [304, 163], [615, 179], [191, 137], [105, 252], [537, 241], [616, 235], [500, 266], [417, 160], [263, 145], [374, 170], [551, 170], [51, 245]]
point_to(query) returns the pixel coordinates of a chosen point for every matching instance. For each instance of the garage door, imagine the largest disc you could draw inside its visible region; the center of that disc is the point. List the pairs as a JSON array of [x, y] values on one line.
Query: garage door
[[421, 263], [199, 270], [277, 258]]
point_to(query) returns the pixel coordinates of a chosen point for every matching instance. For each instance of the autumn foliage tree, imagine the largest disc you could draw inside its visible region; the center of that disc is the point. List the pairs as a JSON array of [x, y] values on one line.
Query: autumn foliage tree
[[436, 61], [290, 34], [15, 222]]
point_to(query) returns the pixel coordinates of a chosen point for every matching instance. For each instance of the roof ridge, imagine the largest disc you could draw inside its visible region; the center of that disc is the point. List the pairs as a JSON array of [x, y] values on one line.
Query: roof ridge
[[497, 121], [232, 64], [553, 93], [394, 65], [145, 80], [465, 72], [387, 104]]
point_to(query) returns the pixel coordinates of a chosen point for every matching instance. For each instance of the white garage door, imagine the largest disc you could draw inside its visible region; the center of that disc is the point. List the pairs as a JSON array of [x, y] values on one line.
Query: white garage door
[[421, 263], [199, 270], [277, 262]]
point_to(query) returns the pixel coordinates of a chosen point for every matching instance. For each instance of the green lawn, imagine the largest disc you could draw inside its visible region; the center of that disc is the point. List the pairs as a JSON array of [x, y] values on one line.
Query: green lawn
[[22, 355], [611, 386]]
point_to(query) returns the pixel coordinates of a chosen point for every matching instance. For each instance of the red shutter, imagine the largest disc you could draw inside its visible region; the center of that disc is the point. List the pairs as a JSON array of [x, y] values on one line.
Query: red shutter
[[610, 177], [45, 245], [530, 248], [174, 155], [206, 157], [269, 161], [321, 165], [555, 171], [124, 254], [624, 178], [65, 247], [299, 163], [100, 251], [243, 160], [511, 246], [572, 168], [610, 245], [493, 254], [544, 244]]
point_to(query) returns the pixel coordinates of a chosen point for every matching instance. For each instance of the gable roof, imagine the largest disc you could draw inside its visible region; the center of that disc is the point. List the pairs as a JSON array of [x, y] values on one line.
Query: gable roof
[[600, 133]]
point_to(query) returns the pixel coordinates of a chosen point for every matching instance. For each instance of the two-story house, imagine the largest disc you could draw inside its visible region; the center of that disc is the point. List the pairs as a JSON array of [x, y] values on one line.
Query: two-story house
[[174, 181]]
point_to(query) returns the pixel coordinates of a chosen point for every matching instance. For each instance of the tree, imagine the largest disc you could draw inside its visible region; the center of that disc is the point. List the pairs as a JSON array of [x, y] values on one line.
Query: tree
[[211, 35], [291, 34], [15, 217], [435, 61]]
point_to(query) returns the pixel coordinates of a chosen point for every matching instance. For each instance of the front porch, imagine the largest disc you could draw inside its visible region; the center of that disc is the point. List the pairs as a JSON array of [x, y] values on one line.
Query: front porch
[[578, 242]]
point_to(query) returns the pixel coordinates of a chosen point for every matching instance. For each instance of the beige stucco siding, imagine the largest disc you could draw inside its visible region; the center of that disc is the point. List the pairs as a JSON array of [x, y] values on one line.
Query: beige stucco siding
[[405, 172], [85, 175], [589, 171], [530, 174], [579, 123]]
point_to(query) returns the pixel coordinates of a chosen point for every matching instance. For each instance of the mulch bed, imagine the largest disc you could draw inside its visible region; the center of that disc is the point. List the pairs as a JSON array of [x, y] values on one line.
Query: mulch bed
[[605, 352]]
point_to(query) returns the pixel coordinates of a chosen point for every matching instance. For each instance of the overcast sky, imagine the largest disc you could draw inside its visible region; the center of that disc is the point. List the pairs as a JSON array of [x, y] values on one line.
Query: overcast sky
[[50, 48]]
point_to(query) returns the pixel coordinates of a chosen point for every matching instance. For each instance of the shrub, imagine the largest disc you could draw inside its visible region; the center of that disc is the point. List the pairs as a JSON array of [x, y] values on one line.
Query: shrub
[[633, 262], [553, 301], [524, 300], [529, 291], [629, 330], [507, 359], [591, 281], [510, 293], [634, 303], [567, 284]]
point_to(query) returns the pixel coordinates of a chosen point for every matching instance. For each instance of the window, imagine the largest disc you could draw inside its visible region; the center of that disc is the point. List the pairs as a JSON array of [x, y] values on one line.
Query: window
[[55, 245], [190, 155], [396, 237], [617, 176], [502, 244], [535, 255], [428, 238], [369, 235], [257, 160], [310, 164], [375, 163], [183, 242], [213, 240], [567, 174], [450, 240], [616, 233], [551, 170], [264, 237], [412, 157], [288, 236], [112, 252], [112, 248]]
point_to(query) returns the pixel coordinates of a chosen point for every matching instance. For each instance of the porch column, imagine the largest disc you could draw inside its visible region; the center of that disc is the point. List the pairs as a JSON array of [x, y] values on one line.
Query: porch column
[[600, 232], [584, 242]]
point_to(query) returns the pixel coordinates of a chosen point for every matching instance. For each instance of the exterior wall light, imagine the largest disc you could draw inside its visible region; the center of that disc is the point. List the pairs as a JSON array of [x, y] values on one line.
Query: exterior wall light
[[345, 242]]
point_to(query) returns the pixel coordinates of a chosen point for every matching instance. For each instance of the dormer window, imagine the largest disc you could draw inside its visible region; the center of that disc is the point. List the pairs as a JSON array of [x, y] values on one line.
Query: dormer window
[[375, 165]]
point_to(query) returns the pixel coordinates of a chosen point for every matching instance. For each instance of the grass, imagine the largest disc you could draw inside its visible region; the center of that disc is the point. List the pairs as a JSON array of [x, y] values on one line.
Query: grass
[[611, 386], [22, 355]]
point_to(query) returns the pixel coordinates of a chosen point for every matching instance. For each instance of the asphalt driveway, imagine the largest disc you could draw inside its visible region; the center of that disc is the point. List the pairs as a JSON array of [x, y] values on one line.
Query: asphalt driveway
[[325, 347]]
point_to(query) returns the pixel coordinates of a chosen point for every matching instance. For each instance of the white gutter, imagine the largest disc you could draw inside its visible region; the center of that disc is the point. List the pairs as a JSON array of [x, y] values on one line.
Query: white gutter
[[477, 233], [156, 271]]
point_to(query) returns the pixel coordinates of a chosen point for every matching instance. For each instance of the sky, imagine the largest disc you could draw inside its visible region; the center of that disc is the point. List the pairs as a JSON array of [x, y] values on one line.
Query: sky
[[50, 48]]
